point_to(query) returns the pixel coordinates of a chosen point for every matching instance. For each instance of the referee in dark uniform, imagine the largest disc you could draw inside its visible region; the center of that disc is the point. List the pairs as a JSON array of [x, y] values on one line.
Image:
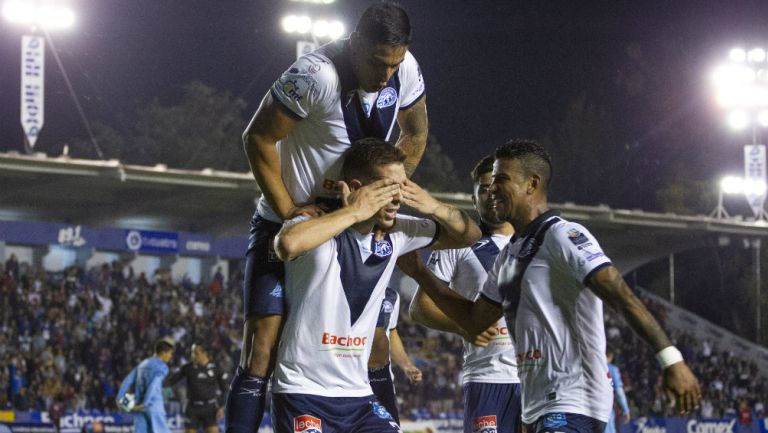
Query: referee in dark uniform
[[206, 385]]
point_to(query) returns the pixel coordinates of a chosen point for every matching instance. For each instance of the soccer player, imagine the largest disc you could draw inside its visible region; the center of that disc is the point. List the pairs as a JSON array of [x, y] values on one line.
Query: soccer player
[[344, 91], [549, 284], [337, 269], [618, 391], [491, 385], [387, 347], [206, 385], [147, 382]]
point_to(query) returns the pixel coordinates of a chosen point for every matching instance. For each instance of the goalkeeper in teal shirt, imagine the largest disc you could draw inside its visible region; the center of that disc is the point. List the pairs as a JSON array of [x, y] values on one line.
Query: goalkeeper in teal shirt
[[146, 380], [618, 392]]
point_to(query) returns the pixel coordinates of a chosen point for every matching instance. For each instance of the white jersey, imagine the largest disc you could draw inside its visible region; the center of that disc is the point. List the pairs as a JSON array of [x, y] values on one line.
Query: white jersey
[[558, 322], [465, 270], [333, 296], [321, 89]]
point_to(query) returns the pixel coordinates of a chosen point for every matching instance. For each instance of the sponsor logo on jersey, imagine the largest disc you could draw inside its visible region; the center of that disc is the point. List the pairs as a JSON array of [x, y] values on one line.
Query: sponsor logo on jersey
[[387, 98], [313, 69], [291, 89], [484, 424], [434, 259], [307, 424], [380, 411], [343, 342], [277, 292], [554, 420], [529, 359], [594, 256], [383, 248], [576, 237]]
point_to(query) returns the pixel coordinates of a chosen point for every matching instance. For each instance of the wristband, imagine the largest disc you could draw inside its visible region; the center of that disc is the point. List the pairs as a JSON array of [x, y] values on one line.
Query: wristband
[[668, 356]]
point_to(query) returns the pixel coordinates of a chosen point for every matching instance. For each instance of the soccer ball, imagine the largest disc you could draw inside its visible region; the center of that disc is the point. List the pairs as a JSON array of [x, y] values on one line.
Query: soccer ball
[[128, 402]]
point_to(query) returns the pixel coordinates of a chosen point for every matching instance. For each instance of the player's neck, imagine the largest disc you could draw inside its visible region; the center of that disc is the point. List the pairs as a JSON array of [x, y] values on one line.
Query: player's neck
[[503, 229], [534, 212]]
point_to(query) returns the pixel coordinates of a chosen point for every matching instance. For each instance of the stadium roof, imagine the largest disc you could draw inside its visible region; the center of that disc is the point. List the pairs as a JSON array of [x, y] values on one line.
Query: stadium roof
[[113, 194]]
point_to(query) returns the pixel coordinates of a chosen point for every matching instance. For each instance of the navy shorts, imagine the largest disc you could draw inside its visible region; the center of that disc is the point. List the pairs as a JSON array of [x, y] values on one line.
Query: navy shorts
[[492, 407], [264, 272], [384, 389], [559, 422], [304, 413]]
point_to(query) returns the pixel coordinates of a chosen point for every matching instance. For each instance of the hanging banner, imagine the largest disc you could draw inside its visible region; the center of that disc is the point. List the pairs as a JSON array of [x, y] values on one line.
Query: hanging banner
[[32, 87], [755, 177]]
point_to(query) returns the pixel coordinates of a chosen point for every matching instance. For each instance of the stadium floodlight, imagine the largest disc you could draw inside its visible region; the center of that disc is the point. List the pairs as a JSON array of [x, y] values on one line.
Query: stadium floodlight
[[738, 55], [762, 118], [321, 28], [50, 16], [732, 185], [738, 119], [325, 2], [756, 55]]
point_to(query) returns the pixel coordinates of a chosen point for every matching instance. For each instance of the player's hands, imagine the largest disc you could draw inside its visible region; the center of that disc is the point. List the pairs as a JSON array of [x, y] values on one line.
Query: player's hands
[[138, 408], [410, 264], [415, 197], [369, 199], [484, 338], [220, 413], [626, 417], [681, 387], [310, 210], [414, 374]]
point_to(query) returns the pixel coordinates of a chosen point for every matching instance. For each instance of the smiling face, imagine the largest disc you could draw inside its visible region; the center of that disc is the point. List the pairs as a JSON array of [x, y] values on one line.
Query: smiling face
[[385, 217], [482, 201], [374, 65], [510, 192]]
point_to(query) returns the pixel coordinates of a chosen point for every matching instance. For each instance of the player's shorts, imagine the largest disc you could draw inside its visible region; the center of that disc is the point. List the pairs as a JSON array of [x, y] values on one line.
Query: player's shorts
[[150, 422], [262, 290], [492, 407], [200, 415], [384, 389], [304, 413], [559, 422]]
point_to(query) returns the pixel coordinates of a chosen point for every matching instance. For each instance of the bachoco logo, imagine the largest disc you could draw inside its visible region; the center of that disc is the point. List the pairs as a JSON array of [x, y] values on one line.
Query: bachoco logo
[[307, 424], [484, 424]]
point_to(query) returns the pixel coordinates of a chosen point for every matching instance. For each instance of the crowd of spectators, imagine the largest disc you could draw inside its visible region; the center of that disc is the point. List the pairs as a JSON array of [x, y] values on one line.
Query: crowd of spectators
[[68, 338]]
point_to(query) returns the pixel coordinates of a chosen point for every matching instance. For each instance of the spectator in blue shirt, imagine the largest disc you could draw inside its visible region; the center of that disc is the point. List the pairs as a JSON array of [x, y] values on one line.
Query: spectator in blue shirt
[[147, 382]]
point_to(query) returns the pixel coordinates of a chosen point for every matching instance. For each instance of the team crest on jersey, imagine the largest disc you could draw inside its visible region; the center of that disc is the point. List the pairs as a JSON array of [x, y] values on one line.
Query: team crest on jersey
[[484, 424], [387, 307], [307, 424], [576, 237], [387, 98], [554, 420], [277, 292], [380, 411], [383, 248]]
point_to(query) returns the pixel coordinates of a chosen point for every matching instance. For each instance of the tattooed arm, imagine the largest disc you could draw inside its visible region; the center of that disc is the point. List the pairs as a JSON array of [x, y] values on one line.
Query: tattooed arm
[[457, 228], [679, 382]]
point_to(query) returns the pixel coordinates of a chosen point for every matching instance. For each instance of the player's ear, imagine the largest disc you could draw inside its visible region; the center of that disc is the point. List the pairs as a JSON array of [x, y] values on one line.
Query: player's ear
[[534, 183]]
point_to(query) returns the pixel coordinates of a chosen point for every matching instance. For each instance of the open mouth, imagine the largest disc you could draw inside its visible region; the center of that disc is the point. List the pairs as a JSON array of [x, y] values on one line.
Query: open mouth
[[390, 213]]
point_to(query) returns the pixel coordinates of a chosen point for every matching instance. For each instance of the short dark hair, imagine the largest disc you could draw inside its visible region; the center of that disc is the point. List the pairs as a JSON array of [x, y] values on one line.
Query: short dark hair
[[163, 345], [365, 155], [483, 166], [534, 158], [385, 23]]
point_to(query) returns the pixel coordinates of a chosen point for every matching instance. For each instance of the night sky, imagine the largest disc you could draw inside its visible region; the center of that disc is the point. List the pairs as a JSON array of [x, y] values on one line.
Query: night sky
[[494, 70]]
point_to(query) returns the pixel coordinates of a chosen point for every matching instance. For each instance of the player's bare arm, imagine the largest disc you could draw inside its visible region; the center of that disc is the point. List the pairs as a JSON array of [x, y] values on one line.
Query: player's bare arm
[[679, 381], [360, 205], [270, 124], [423, 310], [401, 359], [414, 127], [474, 317], [458, 230]]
